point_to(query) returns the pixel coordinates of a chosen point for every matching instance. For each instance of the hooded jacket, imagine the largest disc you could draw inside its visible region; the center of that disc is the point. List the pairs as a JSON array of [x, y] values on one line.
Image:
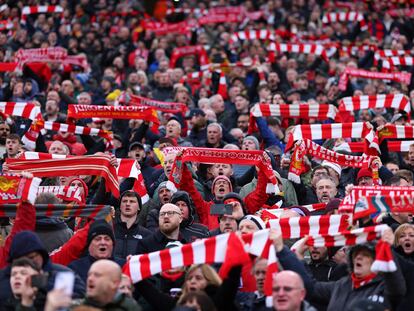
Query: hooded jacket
[[23, 244], [189, 230]]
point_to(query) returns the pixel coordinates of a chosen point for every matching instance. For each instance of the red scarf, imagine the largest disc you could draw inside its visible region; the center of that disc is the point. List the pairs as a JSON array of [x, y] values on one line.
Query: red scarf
[[401, 77], [136, 100], [213, 155], [196, 50], [358, 282], [348, 203], [119, 112]]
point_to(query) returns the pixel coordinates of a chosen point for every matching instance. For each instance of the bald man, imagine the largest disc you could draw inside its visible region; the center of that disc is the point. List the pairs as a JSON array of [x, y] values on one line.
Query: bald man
[[169, 220], [103, 281], [289, 292]]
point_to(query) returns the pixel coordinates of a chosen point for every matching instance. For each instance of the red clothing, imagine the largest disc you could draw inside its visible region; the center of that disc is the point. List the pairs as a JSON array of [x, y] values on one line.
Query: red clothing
[[25, 220], [72, 249], [253, 201]]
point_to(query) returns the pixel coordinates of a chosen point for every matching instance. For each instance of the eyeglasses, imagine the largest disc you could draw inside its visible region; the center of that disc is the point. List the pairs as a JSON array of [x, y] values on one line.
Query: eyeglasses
[[169, 213], [286, 289]]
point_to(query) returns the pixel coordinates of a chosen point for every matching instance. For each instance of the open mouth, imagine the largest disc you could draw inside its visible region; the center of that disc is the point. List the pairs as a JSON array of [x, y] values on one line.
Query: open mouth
[[407, 244], [102, 249]]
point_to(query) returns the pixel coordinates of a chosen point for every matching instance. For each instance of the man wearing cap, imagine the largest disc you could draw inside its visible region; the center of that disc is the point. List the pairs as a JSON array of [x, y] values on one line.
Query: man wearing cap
[[126, 225], [27, 244], [137, 152], [170, 218], [198, 121], [100, 245]]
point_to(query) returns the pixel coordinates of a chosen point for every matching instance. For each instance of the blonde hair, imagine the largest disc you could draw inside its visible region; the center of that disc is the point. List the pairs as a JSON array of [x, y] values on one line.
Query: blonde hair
[[399, 231], [208, 272]]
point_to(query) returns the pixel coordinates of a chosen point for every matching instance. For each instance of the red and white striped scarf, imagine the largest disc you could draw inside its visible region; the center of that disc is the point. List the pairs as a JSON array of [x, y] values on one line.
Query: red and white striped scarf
[[303, 111], [401, 77], [213, 155], [129, 168], [298, 227], [396, 131], [396, 101], [62, 210], [393, 146], [297, 165], [355, 49], [196, 11], [73, 166], [29, 138], [29, 10], [196, 50], [333, 130], [15, 189], [66, 193], [334, 17], [380, 54], [347, 238], [21, 109], [357, 192], [218, 249], [391, 62], [262, 34], [316, 49], [114, 112], [136, 100]]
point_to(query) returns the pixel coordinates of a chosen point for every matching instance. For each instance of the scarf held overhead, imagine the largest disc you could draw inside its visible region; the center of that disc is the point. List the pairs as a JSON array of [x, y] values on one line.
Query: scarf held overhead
[[213, 155], [73, 166]]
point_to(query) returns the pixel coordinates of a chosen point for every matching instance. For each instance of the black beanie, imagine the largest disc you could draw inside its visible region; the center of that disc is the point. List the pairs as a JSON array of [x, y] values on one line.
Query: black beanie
[[99, 227]]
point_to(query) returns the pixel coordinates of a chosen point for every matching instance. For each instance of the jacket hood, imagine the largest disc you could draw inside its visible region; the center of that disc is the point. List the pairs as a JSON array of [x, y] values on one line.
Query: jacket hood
[[26, 242], [185, 197]]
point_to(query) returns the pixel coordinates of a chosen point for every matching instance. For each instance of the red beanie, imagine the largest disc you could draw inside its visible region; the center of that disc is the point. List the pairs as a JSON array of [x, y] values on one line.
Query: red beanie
[[364, 172], [223, 177]]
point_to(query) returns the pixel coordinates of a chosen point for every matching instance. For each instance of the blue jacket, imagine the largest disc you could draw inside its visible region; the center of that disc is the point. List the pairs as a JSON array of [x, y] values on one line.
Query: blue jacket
[[82, 265]]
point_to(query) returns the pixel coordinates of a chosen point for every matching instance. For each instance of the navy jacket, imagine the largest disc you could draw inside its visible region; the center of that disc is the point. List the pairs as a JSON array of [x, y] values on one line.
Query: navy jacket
[[82, 265]]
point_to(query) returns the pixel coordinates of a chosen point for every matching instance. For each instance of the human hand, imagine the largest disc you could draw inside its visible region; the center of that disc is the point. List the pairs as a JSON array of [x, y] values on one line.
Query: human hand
[[57, 299], [388, 236], [276, 237]]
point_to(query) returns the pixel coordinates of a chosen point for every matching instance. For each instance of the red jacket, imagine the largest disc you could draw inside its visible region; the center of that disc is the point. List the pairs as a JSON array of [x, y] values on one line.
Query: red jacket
[[25, 220], [253, 201]]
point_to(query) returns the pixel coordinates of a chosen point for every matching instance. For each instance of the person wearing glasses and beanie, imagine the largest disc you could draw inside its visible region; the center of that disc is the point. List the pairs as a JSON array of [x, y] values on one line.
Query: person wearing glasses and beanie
[[170, 218]]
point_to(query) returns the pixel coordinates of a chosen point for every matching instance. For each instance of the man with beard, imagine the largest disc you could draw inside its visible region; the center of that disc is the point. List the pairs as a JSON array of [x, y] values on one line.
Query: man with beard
[[326, 189], [198, 122], [170, 218], [4, 132], [53, 112], [164, 197]]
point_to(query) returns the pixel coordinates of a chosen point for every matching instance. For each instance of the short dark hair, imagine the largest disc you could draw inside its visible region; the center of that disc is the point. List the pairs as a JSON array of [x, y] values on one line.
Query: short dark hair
[[14, 136], [25, 262]]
